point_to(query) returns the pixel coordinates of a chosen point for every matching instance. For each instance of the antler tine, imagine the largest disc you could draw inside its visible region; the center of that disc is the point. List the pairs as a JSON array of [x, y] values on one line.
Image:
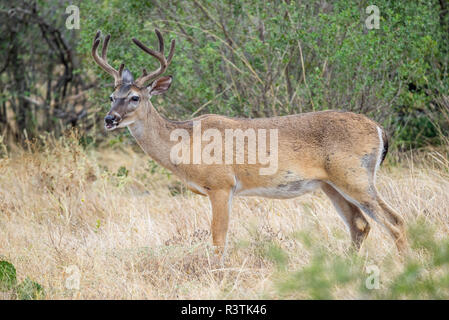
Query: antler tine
[[104, 50], [103, 62], [171, 52], [159, 55], [120, 70], [155, 54], [161, 41]]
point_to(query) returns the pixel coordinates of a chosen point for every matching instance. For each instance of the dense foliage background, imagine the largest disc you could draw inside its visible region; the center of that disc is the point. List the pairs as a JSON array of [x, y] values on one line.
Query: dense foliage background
[[237, 58], [133, 231]]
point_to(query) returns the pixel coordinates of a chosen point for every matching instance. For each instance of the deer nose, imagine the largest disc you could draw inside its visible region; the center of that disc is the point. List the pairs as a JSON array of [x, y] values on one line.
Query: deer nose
[[109, 119]]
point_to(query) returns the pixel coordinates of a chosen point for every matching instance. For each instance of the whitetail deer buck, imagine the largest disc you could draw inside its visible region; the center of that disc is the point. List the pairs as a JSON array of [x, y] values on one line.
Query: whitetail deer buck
[[336, 151]]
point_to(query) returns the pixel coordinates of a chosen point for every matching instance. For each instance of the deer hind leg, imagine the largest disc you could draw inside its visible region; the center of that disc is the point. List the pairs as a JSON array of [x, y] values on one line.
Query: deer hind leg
[[394, 217], [352, 216], [363, 194], [221, 201]]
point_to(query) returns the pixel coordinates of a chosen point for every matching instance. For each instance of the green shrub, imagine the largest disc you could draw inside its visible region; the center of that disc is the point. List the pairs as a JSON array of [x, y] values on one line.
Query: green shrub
[[424, 275], [26, 290]]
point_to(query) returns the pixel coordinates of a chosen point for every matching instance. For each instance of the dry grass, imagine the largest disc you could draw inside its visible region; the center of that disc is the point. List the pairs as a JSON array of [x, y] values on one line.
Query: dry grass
[[132, 239]]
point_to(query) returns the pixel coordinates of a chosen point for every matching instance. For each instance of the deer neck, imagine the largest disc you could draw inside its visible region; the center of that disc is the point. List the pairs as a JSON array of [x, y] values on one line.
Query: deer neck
[[152, 133]]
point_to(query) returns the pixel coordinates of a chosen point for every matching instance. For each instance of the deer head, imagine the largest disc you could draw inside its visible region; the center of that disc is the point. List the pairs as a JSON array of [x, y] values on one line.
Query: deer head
[[131, 97]]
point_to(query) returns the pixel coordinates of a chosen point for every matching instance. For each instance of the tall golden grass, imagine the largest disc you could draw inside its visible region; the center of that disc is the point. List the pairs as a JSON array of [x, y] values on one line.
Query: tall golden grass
[[134, 232]]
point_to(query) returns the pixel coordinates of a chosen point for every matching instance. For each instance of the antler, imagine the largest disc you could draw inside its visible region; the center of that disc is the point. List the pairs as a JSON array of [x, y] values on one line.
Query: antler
[[159, 55], [103, 61]]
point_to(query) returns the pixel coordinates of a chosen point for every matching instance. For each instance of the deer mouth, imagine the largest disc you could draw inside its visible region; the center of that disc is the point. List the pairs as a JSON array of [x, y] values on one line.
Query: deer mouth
[[111, 125], [112, 121]]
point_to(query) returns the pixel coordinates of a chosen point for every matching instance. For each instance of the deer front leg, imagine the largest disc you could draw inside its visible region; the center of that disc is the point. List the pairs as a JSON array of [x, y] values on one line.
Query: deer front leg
[[220, 201]]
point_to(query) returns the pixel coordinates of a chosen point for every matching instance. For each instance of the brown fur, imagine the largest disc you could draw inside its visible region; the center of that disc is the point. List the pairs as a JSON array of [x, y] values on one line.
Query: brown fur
[[336, 151]]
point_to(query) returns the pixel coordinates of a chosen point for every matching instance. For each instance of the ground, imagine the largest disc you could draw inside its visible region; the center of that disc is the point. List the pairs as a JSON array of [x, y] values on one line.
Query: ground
[[128, 230]]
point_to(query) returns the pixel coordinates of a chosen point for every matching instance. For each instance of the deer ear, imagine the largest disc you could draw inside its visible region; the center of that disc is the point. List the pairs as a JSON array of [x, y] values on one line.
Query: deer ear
[[127, 76], [160, 85]]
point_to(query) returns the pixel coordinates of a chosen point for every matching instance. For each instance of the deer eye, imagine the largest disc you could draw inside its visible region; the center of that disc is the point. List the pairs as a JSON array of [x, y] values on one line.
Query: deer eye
[[135, 98]]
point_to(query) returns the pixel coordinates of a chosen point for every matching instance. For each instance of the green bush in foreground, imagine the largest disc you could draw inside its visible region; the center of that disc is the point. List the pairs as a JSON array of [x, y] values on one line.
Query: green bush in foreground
[[426, 277], [26, 290]]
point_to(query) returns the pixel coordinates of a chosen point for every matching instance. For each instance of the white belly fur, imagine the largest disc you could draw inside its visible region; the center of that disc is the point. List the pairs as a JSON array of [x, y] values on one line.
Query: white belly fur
[[283, 191]]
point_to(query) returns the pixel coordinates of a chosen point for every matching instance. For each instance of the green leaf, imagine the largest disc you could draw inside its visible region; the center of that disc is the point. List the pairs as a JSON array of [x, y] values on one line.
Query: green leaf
[[276, 254], [8, 277], [122, 172], [29, 290]]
